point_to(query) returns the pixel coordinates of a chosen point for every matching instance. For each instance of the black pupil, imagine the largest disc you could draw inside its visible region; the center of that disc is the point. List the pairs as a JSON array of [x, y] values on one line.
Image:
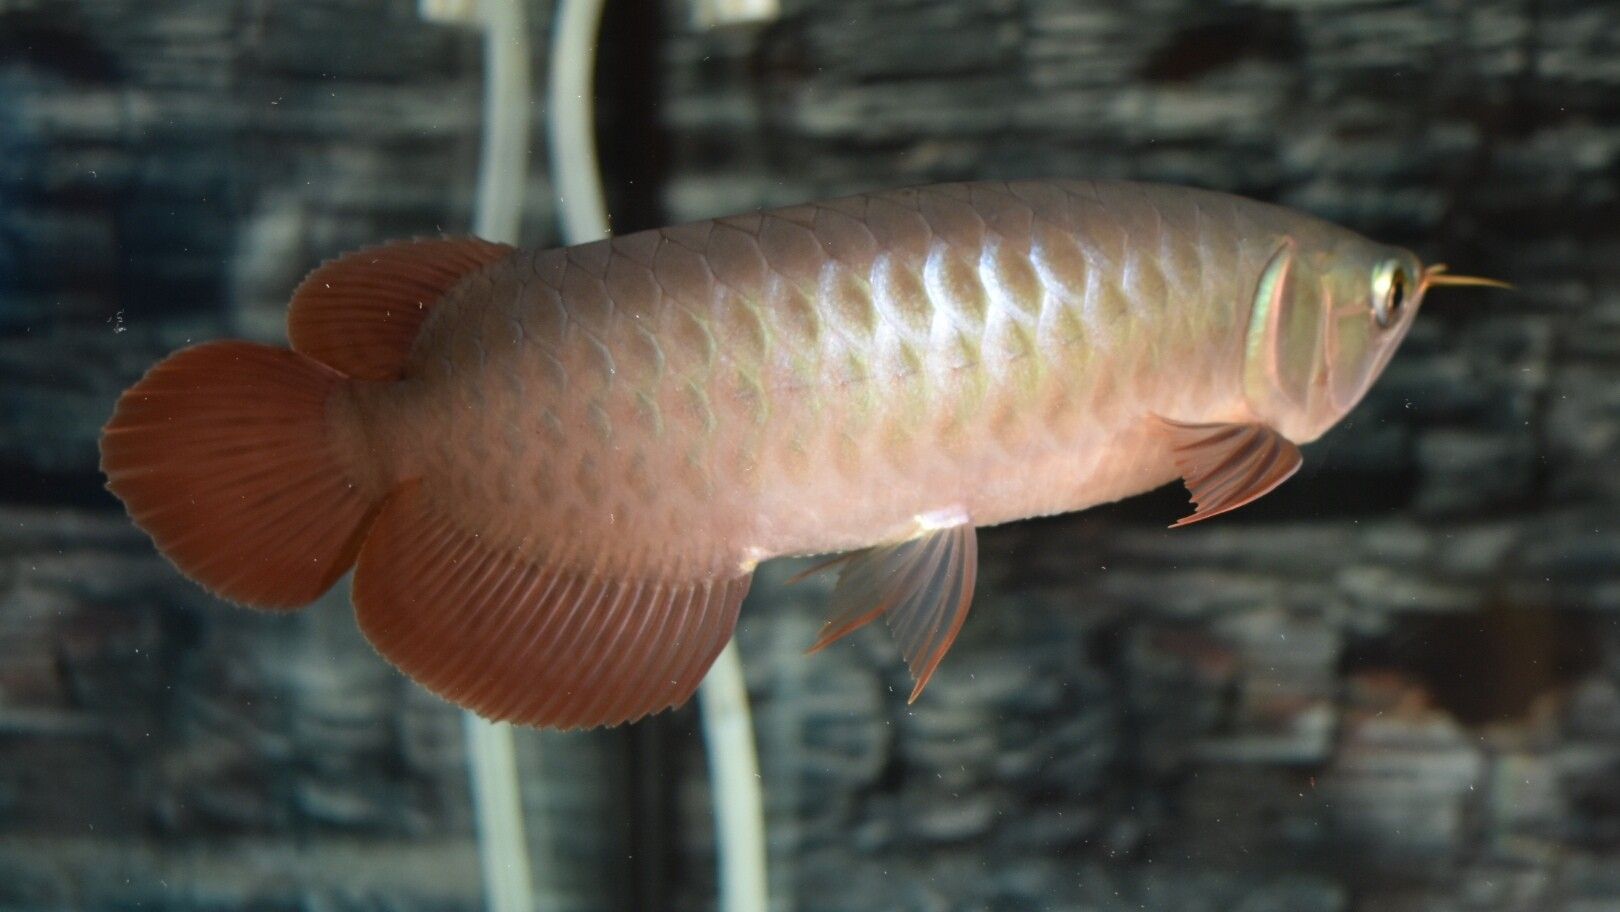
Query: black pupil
[[1397, 291]]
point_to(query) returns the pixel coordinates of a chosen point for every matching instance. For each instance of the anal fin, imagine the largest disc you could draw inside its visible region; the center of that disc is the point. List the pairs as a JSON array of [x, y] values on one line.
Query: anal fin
[[529, 643], [1228, 465], [922, 587]]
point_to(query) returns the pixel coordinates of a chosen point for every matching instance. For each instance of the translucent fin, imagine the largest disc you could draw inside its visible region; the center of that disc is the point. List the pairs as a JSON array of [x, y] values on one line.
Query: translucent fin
[[360, 313], [1228, 465], [528, 643], [221, 453], [820, 567], [922, 587]]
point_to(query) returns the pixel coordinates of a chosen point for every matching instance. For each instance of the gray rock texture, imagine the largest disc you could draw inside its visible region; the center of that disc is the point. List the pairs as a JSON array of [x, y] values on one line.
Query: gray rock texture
[[1392, 685]]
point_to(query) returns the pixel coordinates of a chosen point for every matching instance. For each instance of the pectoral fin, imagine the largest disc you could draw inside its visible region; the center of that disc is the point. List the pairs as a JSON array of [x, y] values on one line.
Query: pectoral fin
[[1228, 465], [922, 587]]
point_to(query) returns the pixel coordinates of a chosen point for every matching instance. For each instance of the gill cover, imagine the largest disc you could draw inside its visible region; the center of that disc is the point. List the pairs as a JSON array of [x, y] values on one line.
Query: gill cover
[[1283, 341]]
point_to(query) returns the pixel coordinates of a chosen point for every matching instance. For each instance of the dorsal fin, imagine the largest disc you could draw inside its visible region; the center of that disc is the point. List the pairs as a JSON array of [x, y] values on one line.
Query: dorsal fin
[[360, 313]]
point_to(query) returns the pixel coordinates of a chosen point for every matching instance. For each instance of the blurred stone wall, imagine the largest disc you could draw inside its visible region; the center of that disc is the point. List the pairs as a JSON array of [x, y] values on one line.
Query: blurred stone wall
[[1392, 685]]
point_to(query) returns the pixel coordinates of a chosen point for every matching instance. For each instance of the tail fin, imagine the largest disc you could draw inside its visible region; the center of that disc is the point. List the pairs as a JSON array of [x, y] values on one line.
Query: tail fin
[[222, 454]]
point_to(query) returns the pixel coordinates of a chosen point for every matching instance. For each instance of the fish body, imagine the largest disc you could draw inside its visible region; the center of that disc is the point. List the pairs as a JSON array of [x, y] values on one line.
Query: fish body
[[815, 378], [557, 469]]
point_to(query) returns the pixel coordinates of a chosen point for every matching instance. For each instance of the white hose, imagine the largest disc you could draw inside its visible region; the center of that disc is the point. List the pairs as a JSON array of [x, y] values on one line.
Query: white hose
[[739, 809], [498, 211], [728, 728], [503, 847], [504, 159], [572, 133]]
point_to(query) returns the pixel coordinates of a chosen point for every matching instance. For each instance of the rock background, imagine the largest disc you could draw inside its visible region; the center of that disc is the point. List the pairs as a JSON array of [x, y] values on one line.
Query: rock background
[[1392, 685]]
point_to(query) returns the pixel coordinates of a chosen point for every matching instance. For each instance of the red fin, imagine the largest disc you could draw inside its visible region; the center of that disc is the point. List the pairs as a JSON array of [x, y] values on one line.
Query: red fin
[[221, 454], [360, 312], [527, 643], [1228, 465], [922, 587]]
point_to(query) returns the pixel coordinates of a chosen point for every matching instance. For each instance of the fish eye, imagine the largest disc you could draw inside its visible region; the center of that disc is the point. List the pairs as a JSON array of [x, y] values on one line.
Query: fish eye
[[1389, 292]]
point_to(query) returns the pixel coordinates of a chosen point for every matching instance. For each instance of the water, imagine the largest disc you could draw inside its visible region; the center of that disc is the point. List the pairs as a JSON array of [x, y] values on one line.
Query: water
[[1393, 684]]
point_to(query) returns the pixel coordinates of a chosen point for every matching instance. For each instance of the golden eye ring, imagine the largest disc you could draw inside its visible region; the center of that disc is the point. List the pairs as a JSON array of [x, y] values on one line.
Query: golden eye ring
[[1389, 293]]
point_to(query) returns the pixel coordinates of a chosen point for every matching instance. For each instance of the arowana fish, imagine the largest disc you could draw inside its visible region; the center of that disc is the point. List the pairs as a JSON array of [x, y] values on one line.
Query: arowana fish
[[554, 472]]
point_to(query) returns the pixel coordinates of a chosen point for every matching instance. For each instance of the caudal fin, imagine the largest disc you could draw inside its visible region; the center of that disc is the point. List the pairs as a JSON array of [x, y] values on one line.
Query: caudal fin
[[222, 453]]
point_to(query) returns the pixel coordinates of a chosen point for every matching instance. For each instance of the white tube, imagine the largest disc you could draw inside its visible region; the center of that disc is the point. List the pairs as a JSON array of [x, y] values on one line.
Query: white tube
[[572, 133], [503, 847], [504, 160], [728, 728], [498, 211], [739, 810], [718, 13]]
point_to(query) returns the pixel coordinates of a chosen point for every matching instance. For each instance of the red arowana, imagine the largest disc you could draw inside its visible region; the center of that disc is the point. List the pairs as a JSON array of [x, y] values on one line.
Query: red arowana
[[554, 472]]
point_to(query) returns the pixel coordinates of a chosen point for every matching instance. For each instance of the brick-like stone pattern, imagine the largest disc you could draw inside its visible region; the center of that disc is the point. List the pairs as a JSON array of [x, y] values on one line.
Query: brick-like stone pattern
[[1392, 685]]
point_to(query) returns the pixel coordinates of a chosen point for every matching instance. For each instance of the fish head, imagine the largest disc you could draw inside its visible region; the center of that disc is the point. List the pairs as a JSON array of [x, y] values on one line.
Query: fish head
[[1327, 318], [1369, 299]]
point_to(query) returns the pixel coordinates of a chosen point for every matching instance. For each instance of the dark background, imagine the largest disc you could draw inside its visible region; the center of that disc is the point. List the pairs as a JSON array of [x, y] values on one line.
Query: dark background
[[1394, 684]]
